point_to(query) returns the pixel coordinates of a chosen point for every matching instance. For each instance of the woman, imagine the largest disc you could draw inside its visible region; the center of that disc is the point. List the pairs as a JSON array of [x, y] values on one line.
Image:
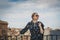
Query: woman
[[36, 28]]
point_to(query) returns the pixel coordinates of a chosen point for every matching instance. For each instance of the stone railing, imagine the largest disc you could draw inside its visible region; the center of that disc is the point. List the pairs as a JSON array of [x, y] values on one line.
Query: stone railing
[[27, 37]]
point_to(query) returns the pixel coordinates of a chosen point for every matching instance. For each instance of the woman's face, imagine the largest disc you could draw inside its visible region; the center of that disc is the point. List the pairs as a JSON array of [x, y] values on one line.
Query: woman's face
[[35, 17]]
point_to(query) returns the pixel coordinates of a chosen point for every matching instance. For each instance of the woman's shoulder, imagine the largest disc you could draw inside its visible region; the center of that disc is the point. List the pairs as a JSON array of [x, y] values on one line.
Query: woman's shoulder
[[41, 23], [29, 23]]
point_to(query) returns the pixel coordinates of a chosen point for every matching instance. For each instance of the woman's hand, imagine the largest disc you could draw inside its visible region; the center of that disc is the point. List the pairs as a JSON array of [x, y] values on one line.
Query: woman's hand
[[41, 30]]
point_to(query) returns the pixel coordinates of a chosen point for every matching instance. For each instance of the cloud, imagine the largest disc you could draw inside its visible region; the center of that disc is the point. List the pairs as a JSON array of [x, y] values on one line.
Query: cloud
[[18, 13], [50, 19], [4, 4]]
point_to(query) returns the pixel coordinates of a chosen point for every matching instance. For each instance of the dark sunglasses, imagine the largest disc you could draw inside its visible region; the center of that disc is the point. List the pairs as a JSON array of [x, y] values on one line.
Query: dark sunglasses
[[37, 15]]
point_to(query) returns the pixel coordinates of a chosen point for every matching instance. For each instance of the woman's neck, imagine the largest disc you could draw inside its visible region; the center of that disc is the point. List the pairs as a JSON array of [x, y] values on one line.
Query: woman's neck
[[34, 21]]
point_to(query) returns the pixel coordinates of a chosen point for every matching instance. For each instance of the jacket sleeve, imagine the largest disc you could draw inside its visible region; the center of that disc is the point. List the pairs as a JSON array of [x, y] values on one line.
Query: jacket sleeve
[[24, 29], [42, 26]]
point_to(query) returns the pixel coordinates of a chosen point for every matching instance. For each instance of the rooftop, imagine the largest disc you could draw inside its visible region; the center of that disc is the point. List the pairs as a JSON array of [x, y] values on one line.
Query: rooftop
[[3, 22]]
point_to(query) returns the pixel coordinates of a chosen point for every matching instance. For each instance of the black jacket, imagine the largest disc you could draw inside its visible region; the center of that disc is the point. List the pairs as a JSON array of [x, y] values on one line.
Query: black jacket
[[34, 30]]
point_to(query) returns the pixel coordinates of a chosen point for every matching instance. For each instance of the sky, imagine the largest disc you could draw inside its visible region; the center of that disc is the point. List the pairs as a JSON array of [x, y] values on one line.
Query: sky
[[18, 12]]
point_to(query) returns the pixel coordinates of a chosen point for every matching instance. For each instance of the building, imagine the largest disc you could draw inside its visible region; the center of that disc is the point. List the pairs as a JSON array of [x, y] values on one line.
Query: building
[[3, 28], [47, 32], [55, 32]]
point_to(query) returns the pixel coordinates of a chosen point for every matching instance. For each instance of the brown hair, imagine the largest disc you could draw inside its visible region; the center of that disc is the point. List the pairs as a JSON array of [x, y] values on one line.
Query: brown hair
[[34, 14]]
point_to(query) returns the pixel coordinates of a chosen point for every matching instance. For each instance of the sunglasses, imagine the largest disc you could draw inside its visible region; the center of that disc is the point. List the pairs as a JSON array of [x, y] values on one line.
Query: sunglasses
[[37, 15]]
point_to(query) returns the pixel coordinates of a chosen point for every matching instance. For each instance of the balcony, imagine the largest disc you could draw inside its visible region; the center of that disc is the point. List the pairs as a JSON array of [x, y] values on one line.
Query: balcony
[[27, 37]]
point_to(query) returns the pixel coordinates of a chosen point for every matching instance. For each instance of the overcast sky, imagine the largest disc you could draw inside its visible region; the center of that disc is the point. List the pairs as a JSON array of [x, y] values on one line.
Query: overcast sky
[[18, 12]]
